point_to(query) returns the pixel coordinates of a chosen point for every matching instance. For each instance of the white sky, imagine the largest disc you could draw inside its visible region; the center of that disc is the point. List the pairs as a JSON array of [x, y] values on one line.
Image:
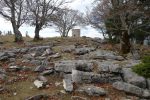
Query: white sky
[[51, 32]]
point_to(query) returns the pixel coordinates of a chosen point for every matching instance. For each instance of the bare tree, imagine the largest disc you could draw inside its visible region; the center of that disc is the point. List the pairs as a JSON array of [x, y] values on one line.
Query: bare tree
[[41, 12], [15, 12], [120, 16], [66, 19]]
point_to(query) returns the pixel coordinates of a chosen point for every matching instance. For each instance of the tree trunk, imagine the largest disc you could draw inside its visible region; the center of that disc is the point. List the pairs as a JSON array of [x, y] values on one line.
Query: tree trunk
[[125, 43], [18, 35], [63, 34], [37, 31]]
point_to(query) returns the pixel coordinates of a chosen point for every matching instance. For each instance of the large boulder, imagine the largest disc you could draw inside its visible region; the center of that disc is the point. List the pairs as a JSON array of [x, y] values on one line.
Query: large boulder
[[132, 78], [92, 90], [132, 89]]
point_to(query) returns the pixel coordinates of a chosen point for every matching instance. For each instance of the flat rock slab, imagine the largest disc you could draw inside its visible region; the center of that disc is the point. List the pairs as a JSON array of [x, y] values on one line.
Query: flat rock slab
[[92, 90], [131, 77], [104, 55], [90, 77], [68, 65], [132, 89]]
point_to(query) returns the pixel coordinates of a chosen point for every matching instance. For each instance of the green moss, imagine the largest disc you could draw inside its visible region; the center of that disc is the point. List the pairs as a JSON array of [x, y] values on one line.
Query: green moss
[[143, 68], [146, 59]]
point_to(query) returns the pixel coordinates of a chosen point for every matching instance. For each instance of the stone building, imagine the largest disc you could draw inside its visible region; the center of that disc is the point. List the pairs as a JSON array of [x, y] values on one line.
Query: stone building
[[75, 33]]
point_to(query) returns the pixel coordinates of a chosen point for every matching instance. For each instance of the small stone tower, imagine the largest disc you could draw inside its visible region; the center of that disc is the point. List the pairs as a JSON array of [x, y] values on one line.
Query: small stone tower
[[76, 33]]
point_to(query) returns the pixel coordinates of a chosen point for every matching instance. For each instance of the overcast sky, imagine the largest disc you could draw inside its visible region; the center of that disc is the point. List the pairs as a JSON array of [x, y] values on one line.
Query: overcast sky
[[80, 5]]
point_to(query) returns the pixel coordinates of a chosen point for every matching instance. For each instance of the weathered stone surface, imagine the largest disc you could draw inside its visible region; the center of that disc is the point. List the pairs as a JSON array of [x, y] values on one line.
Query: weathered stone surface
[[78, 98], [105, 78], [6, 55], [28, 57], [68, 49], [39, 68], [68, 65], [109, 66], [68, 76], [92, 90], [24, 50], [36, 53], [148, 83], [130, 63], [47, 52], [82, 51], [115, 68], [39, 48], [90, 77], [38, 97], [104, 66], [84, 65], [39, 84], [47, 72], [36, 62], [131, 77], [2, 76], [129, 88], [67, 84], [42, 78], [64, 66], [26, 68], [102, 54], [57, 55], [80, 77], [14, 68], [2, 70]]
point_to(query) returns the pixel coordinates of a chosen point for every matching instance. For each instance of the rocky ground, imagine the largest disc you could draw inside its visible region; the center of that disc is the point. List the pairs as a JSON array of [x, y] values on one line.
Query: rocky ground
[[69, 69]]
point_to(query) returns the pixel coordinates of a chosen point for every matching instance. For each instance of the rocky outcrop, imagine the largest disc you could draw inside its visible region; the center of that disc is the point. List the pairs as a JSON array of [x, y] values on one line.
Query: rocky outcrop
[[92, 90], [90, 77], [131, 77], [102, 54], [132, 89]]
